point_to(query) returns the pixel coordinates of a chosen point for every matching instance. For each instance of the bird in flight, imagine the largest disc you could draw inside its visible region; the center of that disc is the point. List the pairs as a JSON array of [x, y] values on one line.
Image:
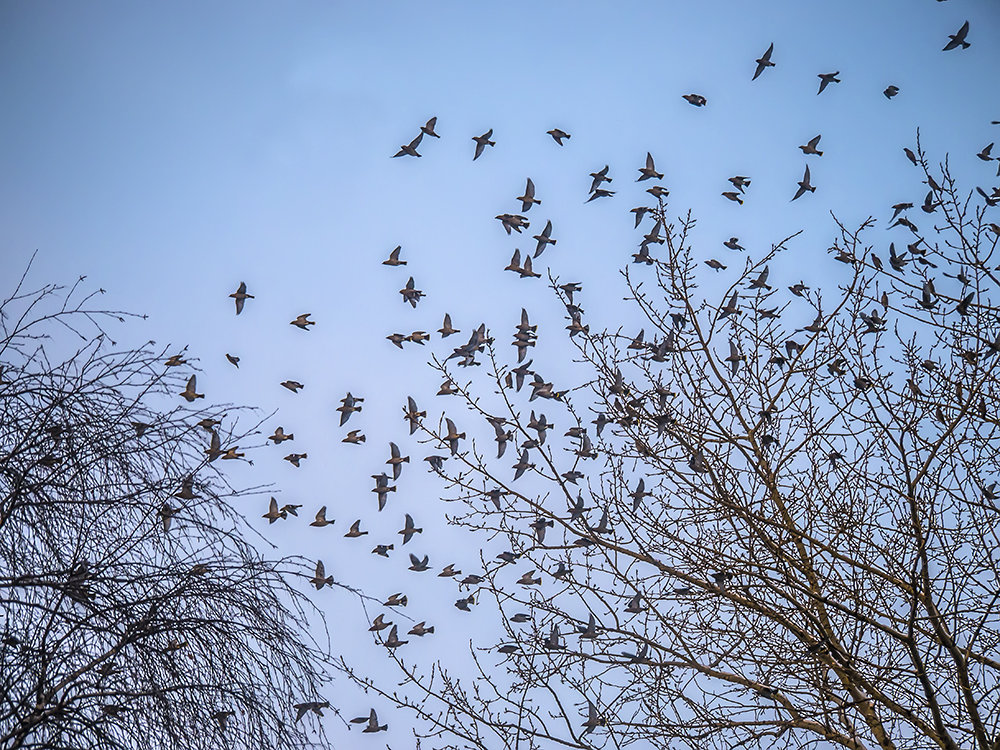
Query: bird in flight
[[393, 259], [409, 529], [958, 39], [411, 294], [558, 135], [190, 392], [321, 579], [273, 513], [810, 147], [412, 415], [428, 129], [599, 177], [241, 296], [348, 405], [321, 519], [303, 322], [446, 328], [825, 79], [410, 149], [280, 436], [372, 722], [891, 91], [544, 239], [482, 141], [528, 199], [804, 185], [763, 62], [696, 100], [649, 172]]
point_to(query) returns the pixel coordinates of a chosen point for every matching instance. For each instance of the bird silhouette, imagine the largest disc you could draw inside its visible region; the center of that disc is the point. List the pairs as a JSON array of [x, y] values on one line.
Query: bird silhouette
[[825, 79], [804, 185], [482, 141], [763, 62], [558, 135], [393, 259], [409, 529], [958, 39], [410, 149], [241, 296], [528, 199], [190, 391], [810, 147]]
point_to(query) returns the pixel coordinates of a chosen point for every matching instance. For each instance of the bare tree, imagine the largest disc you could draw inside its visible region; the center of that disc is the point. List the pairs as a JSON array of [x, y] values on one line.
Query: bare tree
[[765, 516], [134, 612]]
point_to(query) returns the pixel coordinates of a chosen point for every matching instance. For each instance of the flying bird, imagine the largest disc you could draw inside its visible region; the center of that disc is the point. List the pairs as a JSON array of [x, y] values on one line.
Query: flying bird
[[412, 415], [482, 141], [410, 149], [810, 147], [274, 513], [763, 62], [382, 488], [528, 199], [348, 405], [695, 100], [393, 259], [428, 128], [355, 530], [303, 322], [396, 460], [599, 177], [241, 296], [372, 722], [825, 79], [321, 579], [649, 171], [446, 329], [411, 294], [321, 519], [600, 193], [958, 39], [409, 529], [804, 185], [544, 239], [558, 135], [190, 391], [890, 91]]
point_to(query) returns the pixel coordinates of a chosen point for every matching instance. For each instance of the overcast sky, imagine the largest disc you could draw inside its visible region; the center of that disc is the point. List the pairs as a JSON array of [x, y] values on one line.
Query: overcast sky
[[169, 151]]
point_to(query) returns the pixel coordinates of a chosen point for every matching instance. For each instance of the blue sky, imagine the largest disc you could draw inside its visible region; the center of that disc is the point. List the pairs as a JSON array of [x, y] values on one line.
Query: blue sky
[[169, 151]]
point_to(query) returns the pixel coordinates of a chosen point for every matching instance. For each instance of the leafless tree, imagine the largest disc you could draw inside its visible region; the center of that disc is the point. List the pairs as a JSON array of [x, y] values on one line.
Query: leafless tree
[[134, 611], [769, 518]]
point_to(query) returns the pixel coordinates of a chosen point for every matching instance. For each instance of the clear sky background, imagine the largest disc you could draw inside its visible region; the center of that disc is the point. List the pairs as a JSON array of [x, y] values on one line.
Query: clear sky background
[[170, 150]]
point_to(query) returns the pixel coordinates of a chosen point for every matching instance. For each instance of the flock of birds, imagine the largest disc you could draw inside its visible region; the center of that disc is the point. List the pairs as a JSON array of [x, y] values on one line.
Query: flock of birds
[[524, 337]]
